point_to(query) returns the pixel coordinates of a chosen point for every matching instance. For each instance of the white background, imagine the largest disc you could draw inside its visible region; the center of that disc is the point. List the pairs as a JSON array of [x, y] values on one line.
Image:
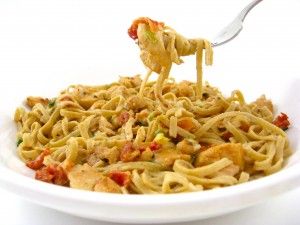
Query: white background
[[63, 42]]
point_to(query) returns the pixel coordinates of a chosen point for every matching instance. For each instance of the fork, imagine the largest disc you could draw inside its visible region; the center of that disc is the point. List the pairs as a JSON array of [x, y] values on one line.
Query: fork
[[234, 28]]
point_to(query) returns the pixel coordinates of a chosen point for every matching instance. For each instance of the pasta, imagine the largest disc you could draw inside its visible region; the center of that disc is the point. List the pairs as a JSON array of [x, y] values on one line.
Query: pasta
[[136, 136]]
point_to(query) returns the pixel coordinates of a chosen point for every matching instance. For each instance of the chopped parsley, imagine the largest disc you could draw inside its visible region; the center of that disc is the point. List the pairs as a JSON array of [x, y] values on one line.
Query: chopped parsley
[[19, 141], [52, 103], [151, 36]]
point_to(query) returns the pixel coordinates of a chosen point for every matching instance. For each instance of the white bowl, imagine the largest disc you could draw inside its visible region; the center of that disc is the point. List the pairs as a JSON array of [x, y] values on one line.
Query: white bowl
[[45, 47], [17, 178]]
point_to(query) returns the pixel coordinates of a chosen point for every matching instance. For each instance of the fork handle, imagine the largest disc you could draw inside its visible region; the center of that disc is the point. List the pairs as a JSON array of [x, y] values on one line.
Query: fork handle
[[247, 9], [234, 28]]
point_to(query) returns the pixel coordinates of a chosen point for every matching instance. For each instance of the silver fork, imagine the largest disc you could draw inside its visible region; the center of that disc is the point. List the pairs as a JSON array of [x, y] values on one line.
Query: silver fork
[[234, 28]]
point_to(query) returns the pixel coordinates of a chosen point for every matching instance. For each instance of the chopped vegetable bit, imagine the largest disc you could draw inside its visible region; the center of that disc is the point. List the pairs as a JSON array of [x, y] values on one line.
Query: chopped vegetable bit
[[161, 139], [154, 146], [52, 174], [19, 141], [151, 36], [52, 103], [38, 162], [282, 121], [121, 178]]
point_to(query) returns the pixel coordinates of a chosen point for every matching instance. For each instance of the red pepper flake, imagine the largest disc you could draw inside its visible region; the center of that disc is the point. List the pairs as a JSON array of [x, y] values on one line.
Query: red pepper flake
[[53, 174], [282, 121], [38, 162], [154, 146], [120, 177]]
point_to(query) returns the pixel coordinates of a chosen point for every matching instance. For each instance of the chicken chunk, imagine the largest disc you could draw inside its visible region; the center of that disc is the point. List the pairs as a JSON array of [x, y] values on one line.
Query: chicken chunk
[[185, 89], [129, 153], [136, 103], [262, 101], [105, 184], [111, 155], [84, 177], [131, 82], [232, 151], [88, 178], [188, 146], [167, 157]]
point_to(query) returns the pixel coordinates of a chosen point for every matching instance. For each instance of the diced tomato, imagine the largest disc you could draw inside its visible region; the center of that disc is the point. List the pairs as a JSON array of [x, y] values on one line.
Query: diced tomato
[[43, 175], [123, 118], [128, 153], [132, 32], [52, 174], [227, 135], [282, 121], [38, 162], [121, 178], [154, 146]]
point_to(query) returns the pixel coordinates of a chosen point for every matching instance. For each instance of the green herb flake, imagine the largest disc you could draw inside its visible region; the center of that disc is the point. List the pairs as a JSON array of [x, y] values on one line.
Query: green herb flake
[[19, 141], [52, 103], [151, 36]]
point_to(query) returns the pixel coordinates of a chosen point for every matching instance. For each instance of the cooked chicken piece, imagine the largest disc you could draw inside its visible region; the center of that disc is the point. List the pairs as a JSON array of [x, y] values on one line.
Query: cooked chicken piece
[[131, 82], [84, 177], [185, 89], [232, 151], [136, 103], [110, 155], [187, 123], [105, 126], [105, 184], [167, 157], [142, 116], [262, 101], [146, 155], [187, 146], [32, 101], [117, 91], [129, 153]]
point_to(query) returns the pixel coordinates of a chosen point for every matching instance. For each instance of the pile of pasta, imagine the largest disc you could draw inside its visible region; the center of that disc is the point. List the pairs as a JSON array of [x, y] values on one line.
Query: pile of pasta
[[138, 136]]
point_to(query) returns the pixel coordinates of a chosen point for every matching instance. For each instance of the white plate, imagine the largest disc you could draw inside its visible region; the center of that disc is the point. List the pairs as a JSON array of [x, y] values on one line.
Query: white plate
[[153, 208]]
